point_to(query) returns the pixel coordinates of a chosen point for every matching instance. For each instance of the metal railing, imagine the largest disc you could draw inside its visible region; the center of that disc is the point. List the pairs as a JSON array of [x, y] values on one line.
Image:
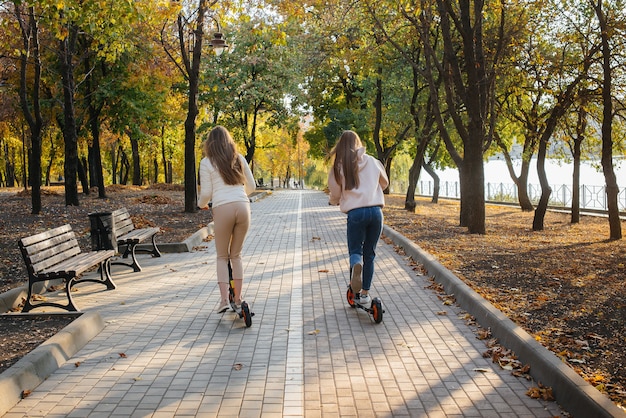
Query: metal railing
[[591, 197]]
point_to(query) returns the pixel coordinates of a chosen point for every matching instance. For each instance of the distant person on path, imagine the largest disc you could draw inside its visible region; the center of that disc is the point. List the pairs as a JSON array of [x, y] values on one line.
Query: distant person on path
[[226, 181], [356, 183]]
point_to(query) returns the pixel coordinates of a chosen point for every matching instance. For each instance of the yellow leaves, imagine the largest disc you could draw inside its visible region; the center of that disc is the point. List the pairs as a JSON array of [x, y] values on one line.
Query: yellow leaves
[[60, 5], [314, 332]]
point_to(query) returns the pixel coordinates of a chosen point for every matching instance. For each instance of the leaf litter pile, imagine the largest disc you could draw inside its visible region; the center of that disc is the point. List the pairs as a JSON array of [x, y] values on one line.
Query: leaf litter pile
[[564, 285]]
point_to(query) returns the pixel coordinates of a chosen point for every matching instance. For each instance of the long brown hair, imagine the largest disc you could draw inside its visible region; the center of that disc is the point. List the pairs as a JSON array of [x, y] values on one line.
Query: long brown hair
[[345, 152], [220, 148]]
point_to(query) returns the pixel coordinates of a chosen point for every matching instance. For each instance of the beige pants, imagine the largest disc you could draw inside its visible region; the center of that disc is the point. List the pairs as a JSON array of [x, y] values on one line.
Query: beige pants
[[231, 222]]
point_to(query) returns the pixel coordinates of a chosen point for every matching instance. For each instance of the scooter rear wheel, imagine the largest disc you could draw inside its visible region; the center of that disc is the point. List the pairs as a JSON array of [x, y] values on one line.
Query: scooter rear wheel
[[377, 310], [245, 313], [350, 297]]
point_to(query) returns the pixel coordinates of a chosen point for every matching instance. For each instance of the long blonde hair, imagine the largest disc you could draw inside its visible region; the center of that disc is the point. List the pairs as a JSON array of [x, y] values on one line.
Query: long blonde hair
[[346, 158], [221, 150]]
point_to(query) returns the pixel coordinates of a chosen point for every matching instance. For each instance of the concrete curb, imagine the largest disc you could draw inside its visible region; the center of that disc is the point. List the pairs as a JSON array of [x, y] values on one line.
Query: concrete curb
[[569, 388], [187, 245], [12, 298], [40, 363]]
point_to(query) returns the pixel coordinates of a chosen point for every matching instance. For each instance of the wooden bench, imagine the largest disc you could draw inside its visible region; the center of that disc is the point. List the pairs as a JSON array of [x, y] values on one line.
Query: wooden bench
[[129, 237], [55, 254]]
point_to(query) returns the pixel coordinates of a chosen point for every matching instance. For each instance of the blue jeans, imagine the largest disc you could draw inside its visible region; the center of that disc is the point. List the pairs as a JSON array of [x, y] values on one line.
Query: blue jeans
[[364, 228]]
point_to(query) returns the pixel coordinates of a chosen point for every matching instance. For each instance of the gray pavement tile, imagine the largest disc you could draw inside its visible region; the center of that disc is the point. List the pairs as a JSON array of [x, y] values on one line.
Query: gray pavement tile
[[165, 352]]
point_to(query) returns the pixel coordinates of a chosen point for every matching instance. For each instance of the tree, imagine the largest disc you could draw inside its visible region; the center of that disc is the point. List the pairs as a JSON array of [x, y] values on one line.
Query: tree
[[190, 30], [254, 80], [467, 66]]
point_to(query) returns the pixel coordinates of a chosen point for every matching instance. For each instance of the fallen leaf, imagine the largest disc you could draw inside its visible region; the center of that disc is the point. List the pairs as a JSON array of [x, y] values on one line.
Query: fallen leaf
[[237, 366], [314, 332], [122, 355], [26, 393]]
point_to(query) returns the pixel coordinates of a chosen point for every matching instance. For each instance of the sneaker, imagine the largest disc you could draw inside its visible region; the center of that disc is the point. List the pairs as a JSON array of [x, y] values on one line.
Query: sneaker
[[224, 306], [365, 301], [356, 281]]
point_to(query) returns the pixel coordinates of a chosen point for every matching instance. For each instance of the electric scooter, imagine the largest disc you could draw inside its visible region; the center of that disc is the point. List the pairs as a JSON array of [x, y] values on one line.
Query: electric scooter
[[376, 308]]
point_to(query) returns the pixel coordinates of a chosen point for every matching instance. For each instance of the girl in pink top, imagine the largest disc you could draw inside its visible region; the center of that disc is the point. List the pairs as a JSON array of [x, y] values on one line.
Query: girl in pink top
[[356, 183]]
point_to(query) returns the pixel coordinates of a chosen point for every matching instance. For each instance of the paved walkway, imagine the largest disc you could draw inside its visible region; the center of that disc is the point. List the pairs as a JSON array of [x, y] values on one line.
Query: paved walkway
[[164, 352]]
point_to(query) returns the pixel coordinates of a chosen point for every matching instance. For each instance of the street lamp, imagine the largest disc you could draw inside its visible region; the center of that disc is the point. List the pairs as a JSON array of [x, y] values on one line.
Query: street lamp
[[218, 43]]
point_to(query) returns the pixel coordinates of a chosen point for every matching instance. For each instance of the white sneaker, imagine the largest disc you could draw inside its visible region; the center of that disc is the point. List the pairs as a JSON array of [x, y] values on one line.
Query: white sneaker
[[224, 306], [356, 281], [365, 301]]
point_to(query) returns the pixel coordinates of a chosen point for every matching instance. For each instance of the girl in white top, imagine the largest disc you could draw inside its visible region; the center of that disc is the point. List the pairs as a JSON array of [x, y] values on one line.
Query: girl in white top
[[226, 181]]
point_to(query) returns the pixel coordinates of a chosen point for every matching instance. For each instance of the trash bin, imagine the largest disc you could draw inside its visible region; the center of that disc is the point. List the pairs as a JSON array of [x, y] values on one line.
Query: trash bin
[[102, 231]]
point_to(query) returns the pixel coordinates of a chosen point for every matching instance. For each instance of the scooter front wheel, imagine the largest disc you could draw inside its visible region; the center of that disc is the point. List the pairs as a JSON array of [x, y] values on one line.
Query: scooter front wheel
[[377, 310], [245, 313]]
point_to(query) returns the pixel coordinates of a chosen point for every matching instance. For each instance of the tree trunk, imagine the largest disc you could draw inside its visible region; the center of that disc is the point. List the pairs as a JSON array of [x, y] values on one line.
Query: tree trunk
[[521, 182], [113, 158], [69, 120], [612, 190], [546, 190], [575, 216], [414, 174], [134, 146], [82, 175], [436, 182], [30, 39], [165, 165], [581, 128], [95, 166], [193, 70]]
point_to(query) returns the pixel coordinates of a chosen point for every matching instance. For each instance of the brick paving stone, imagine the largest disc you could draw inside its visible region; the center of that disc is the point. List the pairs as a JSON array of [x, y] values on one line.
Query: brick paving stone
[[165, 351]]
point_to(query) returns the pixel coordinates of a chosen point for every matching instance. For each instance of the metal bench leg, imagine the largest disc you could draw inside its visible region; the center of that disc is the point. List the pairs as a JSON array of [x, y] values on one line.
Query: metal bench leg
[[155, 252], [130, 249], [105, 274], [70, 306]]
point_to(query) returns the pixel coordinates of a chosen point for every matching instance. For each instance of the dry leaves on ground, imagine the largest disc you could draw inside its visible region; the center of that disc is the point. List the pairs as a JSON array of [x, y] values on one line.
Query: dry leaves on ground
[[565, 285]]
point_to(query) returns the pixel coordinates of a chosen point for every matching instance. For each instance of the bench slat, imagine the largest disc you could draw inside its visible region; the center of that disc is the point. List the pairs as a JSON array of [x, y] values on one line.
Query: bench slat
[[42, 236], [82, 262]]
